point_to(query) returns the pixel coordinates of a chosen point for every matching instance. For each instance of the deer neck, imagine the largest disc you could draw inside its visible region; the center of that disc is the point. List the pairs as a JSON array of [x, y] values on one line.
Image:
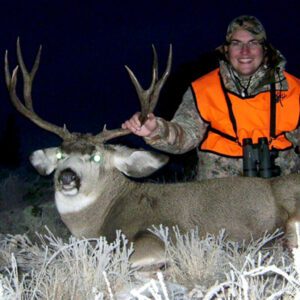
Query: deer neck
[[86, 214]]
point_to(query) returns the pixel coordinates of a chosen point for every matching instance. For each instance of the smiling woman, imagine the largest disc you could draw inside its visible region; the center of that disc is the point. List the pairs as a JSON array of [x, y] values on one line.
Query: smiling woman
[[249, 97], [245, 53], [82, 81]]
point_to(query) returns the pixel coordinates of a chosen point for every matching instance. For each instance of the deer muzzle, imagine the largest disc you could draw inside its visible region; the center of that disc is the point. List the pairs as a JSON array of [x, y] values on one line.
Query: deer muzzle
[[69, 181]]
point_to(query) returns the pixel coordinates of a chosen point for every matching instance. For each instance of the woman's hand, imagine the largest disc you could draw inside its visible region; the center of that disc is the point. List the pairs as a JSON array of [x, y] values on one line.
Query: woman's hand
[[135, 126]]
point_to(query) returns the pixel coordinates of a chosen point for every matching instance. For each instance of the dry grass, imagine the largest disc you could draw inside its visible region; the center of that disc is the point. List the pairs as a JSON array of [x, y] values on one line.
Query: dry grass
[[78, 269], [211, 268]]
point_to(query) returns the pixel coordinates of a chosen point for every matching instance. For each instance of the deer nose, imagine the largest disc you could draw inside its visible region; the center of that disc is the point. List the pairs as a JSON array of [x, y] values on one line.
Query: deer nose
[[67, 176]]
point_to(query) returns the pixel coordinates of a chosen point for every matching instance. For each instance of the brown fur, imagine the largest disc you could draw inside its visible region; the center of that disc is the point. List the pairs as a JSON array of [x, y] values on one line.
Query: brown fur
[[245, 207]]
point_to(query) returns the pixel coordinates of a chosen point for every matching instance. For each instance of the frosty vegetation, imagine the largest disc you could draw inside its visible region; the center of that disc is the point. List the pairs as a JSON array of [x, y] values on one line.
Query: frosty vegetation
[[45, 266]]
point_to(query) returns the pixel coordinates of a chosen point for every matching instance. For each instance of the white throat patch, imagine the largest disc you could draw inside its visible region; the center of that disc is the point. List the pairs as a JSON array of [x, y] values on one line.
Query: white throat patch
[[70, 204]]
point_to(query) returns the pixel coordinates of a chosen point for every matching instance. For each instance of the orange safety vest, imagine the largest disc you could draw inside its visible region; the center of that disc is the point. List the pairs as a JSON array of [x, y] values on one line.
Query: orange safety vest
[[231, 119]]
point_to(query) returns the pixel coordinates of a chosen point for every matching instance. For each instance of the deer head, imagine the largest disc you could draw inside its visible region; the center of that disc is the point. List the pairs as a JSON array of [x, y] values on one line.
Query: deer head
[[83, 156]]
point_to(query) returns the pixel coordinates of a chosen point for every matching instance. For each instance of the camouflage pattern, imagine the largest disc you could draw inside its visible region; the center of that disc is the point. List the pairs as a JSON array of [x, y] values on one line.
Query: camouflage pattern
[[271, 70], [186, 130], [256, 83], [214, 166], [249, 23]]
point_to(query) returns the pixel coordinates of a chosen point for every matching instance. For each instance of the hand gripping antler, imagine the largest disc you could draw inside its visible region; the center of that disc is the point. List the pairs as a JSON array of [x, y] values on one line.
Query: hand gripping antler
[[148, 98], [26, 109]]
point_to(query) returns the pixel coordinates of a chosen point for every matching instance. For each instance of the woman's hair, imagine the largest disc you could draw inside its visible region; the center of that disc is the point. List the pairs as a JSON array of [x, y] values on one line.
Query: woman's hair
[[272, 56]]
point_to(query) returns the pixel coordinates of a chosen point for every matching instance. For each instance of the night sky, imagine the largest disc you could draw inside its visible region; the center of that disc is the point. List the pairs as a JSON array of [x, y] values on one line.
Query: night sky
[[82, 81]]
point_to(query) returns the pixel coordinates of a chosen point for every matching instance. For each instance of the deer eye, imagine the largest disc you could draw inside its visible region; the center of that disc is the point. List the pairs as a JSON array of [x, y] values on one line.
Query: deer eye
[[96, 157], [59, 155]]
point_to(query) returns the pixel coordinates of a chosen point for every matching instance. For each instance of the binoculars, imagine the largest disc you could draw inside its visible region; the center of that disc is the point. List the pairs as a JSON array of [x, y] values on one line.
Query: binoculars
[[258, 160]]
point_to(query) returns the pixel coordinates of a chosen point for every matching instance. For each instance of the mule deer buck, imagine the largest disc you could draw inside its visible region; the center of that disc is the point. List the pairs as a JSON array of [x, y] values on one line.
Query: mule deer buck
[[94, 197]]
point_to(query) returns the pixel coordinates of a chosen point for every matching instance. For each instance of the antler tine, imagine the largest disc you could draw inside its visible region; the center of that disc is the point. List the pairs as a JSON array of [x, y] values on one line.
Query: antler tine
[[160, 83], [6, 70], [154, 70], [141, 93], [106, 135], [148, 98], [28, 77], [27, 109]]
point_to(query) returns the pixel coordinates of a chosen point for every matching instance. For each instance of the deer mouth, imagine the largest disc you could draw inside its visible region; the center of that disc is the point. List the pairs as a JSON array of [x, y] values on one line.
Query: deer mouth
[[68, 182]]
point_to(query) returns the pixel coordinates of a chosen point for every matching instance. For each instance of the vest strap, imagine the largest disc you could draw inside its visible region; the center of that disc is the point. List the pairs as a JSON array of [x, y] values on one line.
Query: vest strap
[[223, 134], [272, 111], [233, 120], [230, 111]]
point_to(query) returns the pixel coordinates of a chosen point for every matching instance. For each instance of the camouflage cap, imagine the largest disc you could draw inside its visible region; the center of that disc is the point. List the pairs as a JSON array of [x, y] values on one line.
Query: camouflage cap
[[249, 23]]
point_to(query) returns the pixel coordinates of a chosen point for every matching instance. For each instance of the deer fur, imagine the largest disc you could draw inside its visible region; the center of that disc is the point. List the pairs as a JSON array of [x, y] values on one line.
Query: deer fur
[[106, 200]]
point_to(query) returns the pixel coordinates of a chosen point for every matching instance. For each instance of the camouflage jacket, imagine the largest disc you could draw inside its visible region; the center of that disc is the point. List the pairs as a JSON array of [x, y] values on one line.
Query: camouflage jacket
[[185, 132]]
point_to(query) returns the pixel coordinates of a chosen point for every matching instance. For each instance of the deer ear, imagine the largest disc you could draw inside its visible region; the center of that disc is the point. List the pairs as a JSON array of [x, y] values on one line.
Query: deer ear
[[44, 161], [139, 163]]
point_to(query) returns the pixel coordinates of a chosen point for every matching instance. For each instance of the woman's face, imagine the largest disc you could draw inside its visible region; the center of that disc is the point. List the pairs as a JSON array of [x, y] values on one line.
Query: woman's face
[[245, 53]]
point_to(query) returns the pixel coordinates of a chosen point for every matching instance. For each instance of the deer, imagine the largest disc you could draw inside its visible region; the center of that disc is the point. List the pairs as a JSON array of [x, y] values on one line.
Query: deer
[[96, 196]]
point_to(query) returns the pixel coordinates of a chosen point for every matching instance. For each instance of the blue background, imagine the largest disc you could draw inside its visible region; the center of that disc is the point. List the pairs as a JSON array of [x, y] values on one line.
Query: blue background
[[82, 81]]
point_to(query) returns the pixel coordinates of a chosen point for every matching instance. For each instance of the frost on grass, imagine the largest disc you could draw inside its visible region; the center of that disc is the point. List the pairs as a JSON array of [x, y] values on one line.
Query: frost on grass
[[215, 267], [78, 269], [209, 268]]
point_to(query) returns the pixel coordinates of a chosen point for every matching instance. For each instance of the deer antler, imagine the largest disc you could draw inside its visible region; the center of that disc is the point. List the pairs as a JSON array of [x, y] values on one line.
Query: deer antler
[[26, 109], [148, 98]]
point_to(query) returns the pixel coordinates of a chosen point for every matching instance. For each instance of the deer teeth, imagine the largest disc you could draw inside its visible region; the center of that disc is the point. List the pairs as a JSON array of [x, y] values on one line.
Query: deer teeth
[[70, 191]]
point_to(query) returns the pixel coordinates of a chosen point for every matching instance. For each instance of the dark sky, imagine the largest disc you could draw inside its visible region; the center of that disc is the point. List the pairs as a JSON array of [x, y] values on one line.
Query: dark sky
[[82, 81]]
